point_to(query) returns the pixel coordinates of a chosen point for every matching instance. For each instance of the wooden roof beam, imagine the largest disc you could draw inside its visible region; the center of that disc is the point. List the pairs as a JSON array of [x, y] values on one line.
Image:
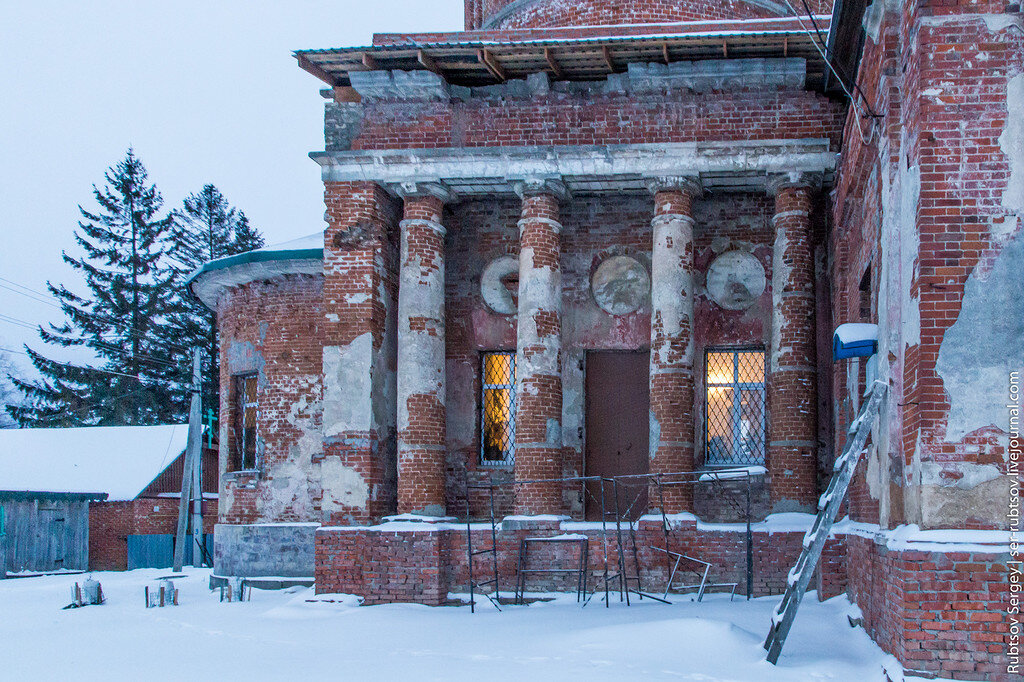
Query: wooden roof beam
[[428, 62], [370, 62], [664, 53], [306, 65], [607, 54], [553, 63], [488, 59]]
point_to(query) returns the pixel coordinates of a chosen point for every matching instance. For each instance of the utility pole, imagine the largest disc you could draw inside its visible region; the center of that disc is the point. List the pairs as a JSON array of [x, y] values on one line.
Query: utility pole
[[188, 472]]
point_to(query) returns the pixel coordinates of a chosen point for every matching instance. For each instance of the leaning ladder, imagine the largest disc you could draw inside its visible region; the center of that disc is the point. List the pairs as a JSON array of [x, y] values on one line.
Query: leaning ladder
[[828, 508], [492, 550]]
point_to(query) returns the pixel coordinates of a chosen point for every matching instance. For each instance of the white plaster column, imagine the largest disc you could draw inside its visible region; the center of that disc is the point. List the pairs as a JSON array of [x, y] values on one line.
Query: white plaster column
[[672, 325], [421, 352], [539, 345]]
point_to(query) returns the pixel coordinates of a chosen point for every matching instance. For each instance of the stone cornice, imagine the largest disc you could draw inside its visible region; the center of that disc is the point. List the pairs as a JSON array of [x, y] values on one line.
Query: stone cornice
[[586, 169]]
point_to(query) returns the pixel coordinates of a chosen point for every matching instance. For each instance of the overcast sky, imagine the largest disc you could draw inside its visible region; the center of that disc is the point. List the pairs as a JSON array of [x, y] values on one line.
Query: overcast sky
[[205, 90]]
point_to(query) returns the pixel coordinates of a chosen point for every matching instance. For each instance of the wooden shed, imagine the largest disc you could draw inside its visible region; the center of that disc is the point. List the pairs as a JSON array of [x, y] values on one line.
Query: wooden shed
[[95, 498]]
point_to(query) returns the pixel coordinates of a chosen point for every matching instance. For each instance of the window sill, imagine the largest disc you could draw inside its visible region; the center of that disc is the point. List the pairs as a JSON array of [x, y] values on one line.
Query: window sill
[[242, 473]]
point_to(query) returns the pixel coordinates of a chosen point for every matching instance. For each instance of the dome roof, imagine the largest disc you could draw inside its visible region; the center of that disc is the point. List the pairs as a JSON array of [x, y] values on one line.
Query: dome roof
[[512, 14]]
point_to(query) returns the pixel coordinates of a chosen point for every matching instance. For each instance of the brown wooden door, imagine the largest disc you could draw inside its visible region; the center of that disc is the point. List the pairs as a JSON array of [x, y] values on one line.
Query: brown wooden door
[[618, 404]]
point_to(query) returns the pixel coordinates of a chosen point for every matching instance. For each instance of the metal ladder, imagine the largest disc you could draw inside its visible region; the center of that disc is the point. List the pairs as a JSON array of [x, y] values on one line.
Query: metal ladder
[[828, 508], [475, 586]]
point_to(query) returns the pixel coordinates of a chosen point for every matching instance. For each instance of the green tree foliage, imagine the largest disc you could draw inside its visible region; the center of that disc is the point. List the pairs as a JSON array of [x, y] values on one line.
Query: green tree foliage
[[207, 227], [123, 318]]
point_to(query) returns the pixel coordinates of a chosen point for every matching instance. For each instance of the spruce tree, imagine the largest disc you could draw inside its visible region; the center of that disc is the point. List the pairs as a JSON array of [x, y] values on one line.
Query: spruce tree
[[122, 318], [207, 227]]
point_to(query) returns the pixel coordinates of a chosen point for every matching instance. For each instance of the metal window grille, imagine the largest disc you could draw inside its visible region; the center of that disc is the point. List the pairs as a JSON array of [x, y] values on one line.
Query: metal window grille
[[736, 418], [498, 409], [245, 422]]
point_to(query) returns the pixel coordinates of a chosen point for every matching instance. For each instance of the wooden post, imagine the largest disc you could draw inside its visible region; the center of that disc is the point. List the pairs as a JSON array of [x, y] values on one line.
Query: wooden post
[[195, 442]]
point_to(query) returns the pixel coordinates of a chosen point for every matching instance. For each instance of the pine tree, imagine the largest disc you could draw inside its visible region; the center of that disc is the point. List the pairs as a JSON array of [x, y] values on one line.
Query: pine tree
[[122, 319], [206, 228], [10, 399]]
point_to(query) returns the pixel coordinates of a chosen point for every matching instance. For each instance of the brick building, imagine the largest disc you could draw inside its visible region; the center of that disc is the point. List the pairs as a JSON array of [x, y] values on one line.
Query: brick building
[[99, 498], [606, 238]]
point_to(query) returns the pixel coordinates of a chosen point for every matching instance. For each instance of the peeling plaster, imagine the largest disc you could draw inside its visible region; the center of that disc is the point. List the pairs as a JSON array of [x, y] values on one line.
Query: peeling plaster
[[347, 386], [945, 506], [984, 345], [1011, 141], [910, 244], [780, 275], [655, 435], [672, 298], [288, 495], [343, 487]]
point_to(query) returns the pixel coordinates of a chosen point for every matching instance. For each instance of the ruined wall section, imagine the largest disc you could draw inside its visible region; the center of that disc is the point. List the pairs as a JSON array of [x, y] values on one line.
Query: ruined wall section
[[548, 116], [359, 466], [928, 202], [515, 14], [275, 330], [594, 230]]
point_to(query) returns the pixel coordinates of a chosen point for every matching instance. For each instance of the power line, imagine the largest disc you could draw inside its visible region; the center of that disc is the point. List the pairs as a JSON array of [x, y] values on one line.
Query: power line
[[828, 62], [94, 316], [141, 356], [92, 369]]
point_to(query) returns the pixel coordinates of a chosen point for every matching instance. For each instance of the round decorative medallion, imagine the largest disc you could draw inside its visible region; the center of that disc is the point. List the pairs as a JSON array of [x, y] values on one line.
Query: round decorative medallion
[[620, 285], [497, 284], [735, 280]]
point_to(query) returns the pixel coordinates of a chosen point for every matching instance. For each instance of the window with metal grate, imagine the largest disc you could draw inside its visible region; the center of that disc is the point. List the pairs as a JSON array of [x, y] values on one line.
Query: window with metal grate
[[735, 423], [498, 409]]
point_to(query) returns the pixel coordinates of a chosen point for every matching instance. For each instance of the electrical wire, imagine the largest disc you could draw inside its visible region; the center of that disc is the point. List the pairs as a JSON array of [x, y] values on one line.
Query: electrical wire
[[94, 316], [866, 140], [117, 349]]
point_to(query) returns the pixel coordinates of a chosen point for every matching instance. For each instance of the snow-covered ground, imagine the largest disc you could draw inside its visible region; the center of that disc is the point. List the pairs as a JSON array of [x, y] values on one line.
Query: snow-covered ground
[[286, 636]]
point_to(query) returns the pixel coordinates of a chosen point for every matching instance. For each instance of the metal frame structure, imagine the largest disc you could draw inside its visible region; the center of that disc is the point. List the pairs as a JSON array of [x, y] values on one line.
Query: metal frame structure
[[736, 409], [619, 515], [510, 457]]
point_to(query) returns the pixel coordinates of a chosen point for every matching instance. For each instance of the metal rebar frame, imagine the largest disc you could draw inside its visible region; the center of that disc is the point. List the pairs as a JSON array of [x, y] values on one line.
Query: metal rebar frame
[[618, 513]]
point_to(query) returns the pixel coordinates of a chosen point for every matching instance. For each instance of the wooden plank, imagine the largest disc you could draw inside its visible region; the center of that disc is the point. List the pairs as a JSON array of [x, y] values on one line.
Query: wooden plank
[[488, 60], [428, 62], [664, 53], [607, 54], [306, 65], [370, 62], [549, 56]]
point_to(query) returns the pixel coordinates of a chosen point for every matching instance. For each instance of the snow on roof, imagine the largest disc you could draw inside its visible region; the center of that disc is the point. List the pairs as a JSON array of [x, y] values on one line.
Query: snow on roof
[[857, 331], [118, 460], [298, 256]]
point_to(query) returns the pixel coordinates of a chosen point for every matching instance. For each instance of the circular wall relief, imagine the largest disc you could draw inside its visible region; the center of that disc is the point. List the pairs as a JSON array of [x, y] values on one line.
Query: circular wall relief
[[499, 279], [735, 280], [620, 285]]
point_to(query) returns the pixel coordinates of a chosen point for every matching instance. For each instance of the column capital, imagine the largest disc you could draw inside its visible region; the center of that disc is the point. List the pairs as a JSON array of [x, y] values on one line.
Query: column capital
[[532, 186], [417, 190], [776, 182], [687, 184]]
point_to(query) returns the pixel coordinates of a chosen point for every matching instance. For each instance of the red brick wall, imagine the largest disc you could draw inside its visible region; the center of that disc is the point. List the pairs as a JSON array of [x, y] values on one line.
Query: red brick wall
[[601, 119], [110, 524], [601, 12], [422, 566], [940, 613], [943, 111], [274, 328]]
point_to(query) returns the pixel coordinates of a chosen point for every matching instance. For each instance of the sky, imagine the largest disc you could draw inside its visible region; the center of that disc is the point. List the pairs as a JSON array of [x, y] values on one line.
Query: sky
[[204, 90]]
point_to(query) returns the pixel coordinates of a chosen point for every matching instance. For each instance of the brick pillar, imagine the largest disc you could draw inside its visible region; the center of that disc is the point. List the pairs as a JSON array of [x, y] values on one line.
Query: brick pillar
[[539, 343], [356, 483], [792, 383], [671, 374], [421, 351]]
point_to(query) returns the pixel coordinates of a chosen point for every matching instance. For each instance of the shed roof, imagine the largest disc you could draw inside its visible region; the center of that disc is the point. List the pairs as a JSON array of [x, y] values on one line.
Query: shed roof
[[475, 58], [117, 460]]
